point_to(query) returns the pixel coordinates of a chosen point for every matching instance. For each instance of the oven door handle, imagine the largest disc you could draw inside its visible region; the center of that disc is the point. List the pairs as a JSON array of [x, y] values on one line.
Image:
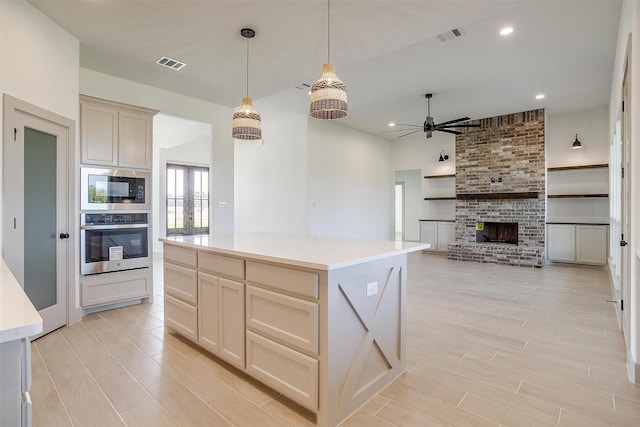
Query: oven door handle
[[112, 227]]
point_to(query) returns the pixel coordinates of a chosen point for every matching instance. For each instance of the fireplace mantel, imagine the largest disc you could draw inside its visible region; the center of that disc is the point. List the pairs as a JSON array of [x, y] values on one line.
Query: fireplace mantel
[[497, 196]]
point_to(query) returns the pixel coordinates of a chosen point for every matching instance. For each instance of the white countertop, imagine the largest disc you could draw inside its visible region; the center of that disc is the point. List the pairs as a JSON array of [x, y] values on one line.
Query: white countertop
[[322, 253], [18, 317]]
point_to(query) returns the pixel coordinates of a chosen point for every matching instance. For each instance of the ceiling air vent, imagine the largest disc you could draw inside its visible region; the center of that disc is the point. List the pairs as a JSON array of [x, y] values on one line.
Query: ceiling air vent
[[174, 64], [452, 34]]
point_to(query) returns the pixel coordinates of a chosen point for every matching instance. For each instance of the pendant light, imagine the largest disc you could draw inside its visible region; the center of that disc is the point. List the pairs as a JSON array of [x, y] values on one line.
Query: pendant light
[[576, 143], [246, 120], [328, 93]]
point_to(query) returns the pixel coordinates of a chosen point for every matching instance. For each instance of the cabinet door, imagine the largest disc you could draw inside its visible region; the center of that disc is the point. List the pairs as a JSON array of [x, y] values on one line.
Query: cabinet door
[[446, 235], [231, 320], [99, 134], [208, 312], [429, 234], [134, 139], [591, 244], [561, 242]]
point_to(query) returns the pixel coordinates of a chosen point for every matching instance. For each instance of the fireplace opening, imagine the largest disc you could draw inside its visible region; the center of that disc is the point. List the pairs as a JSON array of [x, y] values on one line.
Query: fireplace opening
[[497, 232]]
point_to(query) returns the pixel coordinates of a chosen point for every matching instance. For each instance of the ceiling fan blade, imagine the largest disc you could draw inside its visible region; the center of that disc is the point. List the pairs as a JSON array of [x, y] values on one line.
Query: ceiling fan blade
[[458, 126], [411, 126], [450, 131], [410, 133], [400, 130], [461, 119]]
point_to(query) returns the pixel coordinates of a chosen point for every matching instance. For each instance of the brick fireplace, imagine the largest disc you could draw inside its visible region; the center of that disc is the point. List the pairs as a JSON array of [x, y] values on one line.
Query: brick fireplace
[[500, 179]]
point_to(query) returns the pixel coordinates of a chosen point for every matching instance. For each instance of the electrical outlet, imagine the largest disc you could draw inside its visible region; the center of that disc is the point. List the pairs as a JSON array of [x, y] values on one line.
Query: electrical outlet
[[372, 288]]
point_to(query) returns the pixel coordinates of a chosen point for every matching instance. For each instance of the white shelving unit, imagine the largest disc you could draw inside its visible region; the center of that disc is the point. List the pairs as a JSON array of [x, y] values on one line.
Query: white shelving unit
[[578, 214], [438, 229]]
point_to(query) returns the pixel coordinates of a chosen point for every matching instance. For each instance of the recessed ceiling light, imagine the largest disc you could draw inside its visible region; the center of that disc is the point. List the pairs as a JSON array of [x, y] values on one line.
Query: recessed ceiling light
[[506, 31], [392, 124], [540, 96]]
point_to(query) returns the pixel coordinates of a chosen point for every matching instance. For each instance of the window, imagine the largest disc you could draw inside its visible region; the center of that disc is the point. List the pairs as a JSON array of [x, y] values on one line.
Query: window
[[187, 200]]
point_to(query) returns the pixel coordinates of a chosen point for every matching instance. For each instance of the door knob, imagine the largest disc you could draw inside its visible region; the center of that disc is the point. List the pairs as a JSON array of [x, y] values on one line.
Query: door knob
[[64, 235]]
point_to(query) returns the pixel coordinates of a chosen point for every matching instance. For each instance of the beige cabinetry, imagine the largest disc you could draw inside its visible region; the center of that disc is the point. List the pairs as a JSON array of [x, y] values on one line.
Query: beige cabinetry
[[578, 243], [100, 289], [202, 304], [438, 234], [282, 330], [115, 134]]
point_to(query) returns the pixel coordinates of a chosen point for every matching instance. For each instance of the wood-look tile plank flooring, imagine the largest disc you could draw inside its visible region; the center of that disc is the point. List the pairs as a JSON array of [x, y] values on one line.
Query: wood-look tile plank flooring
[[487, 345]]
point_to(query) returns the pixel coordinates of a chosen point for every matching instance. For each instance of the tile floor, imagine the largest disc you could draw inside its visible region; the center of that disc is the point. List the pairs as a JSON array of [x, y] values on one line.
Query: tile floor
[[488, 345]]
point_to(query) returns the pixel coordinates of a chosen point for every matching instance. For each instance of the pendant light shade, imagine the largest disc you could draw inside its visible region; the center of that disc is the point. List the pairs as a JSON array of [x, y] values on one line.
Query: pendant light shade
[[328, 93], [576, 144], [247, 124]]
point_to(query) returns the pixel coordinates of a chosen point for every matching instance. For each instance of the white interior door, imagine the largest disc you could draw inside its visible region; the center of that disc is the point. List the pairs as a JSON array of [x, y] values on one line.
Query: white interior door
[[625, 256], [36, 213]]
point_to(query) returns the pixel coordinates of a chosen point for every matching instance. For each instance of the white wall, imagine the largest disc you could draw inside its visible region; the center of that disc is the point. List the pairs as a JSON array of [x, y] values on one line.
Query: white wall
[[592, 127], [113, 88], [418, 152], [271, 176], [350, 183], [39, 65]]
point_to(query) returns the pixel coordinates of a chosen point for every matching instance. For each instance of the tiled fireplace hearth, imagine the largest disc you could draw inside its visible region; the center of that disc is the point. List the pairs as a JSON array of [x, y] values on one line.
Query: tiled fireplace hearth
[[500, 173]]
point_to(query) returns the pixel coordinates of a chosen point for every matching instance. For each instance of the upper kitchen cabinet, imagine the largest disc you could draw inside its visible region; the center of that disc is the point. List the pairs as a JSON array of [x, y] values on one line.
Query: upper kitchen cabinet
[[115, 134]]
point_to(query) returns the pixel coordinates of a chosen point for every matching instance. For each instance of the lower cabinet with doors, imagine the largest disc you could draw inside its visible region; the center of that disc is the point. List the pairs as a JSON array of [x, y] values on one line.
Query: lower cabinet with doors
[[578, 243], [438, 234], [309, 333]]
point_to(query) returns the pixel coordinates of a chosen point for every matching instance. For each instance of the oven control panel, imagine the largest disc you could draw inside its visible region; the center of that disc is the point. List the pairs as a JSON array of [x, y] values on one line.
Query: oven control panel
[[115, 218]]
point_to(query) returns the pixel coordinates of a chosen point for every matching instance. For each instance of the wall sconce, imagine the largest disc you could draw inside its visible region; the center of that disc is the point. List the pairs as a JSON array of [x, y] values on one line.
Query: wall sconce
[[443, 156], [576, 144]]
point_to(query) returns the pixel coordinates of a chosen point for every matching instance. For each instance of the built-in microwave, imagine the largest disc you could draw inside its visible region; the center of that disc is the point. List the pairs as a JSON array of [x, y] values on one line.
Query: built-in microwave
[[114, 189]]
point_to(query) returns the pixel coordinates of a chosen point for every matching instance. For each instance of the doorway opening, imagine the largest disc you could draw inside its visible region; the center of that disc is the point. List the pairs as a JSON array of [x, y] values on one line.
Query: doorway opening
[[399, 210], [187, 200]]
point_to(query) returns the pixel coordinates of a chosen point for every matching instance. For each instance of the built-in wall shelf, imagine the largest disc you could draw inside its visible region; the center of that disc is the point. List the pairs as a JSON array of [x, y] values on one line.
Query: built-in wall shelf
[[440, 198], [566, 168], [574, 196], [437, 220], [576, 223], [439, 176]]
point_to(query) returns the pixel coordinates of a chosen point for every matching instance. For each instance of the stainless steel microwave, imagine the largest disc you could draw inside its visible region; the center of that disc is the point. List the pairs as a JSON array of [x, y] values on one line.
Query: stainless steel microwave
[[114, 189]]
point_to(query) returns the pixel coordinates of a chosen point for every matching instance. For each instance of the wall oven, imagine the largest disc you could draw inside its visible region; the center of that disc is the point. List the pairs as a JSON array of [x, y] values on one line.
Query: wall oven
[[114, 189], [114, 242]]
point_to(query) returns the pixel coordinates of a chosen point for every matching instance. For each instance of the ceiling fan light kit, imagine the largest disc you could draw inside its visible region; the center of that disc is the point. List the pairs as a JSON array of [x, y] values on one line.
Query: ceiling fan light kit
[[328, 94], [247, 124]]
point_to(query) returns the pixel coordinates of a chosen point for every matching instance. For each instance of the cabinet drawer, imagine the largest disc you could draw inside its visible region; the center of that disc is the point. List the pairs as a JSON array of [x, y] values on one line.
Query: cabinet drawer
[[183, 256], [285, 370], [105, 288], [288, 280], [181, 282], [286, 319], [220, 264], [181, 317]]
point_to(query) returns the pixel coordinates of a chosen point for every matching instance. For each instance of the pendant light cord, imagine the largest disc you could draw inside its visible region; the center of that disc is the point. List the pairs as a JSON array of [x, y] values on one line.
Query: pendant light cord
[[328, 31], [247, 67]]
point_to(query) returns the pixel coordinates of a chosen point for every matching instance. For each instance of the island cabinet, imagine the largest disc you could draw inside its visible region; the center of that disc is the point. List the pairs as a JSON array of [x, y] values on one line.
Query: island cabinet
[[114, 134], [322, 321]]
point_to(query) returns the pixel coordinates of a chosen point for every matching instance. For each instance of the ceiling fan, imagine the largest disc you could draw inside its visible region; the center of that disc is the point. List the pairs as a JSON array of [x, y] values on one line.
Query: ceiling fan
[[429, 125]]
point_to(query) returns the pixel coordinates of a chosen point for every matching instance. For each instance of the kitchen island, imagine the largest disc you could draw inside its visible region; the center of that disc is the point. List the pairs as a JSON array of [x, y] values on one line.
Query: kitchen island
[[19, 320], [321, 320]]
